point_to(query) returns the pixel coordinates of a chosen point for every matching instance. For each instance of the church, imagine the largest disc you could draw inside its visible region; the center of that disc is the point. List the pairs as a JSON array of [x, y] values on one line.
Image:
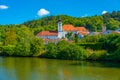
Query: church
[[62, 31]]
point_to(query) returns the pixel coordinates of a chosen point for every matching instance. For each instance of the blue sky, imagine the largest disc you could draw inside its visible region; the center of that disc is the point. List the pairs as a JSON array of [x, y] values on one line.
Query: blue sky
[[19, 11]]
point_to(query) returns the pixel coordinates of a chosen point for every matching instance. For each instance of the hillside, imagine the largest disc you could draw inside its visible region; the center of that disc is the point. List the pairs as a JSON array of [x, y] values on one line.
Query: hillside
[[93, 23]]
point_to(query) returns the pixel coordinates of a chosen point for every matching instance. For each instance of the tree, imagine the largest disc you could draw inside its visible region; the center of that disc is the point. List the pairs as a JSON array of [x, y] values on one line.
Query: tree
[[76, 38], [37, 47], [24, 38], [69, 35], [72, 52], [51, 51], [8, 50], [113, 24], [10, 37]]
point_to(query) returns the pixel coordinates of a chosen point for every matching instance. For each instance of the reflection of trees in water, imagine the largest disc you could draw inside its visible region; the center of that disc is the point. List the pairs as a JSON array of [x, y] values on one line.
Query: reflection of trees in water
[[97, 64], [45, 69], [22, 68]]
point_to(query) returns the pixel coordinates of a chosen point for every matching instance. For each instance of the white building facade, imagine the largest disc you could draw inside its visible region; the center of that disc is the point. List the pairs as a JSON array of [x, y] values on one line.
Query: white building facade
[[62, 31]]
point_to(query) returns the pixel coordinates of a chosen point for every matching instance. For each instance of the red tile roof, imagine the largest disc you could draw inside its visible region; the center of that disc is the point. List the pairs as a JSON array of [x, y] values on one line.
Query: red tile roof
[[82, 30], [48, 33], [68, 28]]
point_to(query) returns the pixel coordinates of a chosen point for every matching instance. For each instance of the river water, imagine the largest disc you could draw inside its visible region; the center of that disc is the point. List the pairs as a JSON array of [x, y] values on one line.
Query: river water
[[50, 69]]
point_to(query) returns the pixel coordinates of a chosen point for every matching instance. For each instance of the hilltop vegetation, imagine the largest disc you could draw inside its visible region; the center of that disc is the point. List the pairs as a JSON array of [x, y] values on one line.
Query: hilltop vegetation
[[92, 23]]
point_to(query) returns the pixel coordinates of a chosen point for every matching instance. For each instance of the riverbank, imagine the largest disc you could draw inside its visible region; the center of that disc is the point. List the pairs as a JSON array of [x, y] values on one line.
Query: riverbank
[[92, 48]]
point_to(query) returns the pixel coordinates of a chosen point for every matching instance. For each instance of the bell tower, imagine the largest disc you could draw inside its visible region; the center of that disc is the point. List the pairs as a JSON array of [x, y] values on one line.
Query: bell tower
[[61, 33], [59, 25]]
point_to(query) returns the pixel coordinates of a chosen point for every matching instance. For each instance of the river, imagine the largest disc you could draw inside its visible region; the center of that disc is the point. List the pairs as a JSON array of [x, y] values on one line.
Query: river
[[50, 69]]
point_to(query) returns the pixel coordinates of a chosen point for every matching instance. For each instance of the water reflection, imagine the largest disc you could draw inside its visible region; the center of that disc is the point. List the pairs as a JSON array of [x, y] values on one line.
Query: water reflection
[[46, 69], [97, 64]]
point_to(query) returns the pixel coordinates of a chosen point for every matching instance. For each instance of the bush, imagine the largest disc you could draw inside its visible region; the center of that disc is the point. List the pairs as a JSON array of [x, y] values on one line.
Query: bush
[[0, 43], [23, 50], [116, 55], [65, 50], [112, 41], [37, 47], [98, 55], [51, 51], [94, 46], [8, 50], [72, 52]]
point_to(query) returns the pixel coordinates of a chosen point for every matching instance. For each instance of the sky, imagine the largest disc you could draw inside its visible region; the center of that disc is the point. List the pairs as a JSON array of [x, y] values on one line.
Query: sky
[[19, 11]]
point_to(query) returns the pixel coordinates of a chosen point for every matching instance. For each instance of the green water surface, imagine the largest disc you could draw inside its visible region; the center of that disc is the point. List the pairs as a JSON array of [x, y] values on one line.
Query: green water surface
[[49, 69]]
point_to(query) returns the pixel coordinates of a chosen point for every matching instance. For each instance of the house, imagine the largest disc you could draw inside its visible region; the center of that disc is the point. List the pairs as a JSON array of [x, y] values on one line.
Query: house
[[108, 31], [95, 33], [48, 34], [118, 30], [62, 31]]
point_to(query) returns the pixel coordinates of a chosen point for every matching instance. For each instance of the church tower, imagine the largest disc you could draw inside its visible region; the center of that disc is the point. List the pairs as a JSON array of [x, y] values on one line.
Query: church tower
[[61, 33], [60, 25]]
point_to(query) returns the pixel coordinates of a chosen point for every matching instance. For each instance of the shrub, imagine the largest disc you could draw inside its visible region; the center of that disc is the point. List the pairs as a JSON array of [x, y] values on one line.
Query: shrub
[[8, 50], [116, 55], [51, 51], [98, 55], [94, 46], [37, 47], [72, 52]]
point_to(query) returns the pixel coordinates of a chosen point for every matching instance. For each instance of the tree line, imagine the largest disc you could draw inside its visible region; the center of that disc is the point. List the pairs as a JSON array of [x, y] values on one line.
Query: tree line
[[21, 41], [95, 48], [92, 23]]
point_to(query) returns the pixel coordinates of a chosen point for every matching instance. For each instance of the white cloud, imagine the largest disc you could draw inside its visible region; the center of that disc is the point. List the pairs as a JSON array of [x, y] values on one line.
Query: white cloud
[[104, 12], [3, 7], [43, 12], [85, 15]]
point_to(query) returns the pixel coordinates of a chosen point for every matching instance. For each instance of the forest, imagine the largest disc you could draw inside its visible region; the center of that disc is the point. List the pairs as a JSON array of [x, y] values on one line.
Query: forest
[[21, 40], [92, 23]]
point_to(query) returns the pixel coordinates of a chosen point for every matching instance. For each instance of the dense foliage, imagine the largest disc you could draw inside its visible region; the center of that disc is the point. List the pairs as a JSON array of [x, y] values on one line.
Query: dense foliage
[[20, 41], [107, 47], [93, 23], [96, 47], [69, 51]]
